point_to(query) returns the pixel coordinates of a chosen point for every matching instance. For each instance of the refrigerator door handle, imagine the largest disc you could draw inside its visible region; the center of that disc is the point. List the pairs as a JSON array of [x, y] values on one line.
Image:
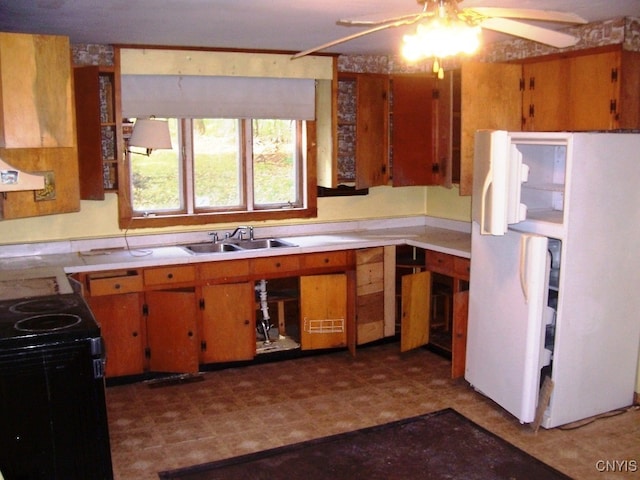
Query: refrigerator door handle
[[483, 203], [524, 245]]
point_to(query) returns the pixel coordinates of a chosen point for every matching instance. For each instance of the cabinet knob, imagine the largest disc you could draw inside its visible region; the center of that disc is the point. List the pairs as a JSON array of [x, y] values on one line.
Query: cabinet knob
[[134, 334], [170, 276], [277, 264], [117, 286], [190, 333], [246, 322]]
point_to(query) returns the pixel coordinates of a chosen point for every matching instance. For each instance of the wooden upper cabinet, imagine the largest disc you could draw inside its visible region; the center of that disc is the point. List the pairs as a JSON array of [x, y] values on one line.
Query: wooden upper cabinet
[[605, 93], [491, 99], [544, 96], [36, 109], [414, 131]]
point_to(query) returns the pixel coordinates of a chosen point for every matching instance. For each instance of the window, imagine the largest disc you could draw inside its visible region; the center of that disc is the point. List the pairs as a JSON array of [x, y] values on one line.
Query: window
[[223, 170]]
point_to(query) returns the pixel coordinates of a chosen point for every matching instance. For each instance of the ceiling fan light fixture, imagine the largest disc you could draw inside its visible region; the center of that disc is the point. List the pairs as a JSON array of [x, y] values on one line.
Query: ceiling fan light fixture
[[440, 38]]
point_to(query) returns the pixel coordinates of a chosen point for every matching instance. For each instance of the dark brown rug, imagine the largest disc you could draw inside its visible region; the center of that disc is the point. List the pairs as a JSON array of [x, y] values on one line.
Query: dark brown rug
[[439, 445]]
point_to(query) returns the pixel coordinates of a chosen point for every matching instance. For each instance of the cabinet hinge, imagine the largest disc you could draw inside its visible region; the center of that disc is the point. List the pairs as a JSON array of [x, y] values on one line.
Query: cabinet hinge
[[614, 75], [532, 83], [613, 106], [522, 84], [145, 310], [435, 94], [201, 304], [532, 111], [147, 353], [203, 346]]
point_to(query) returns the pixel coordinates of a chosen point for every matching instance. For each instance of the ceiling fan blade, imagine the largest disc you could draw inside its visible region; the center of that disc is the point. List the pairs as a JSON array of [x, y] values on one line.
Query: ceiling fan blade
[[530, 32], [528, 14], [371, 23], [353, 37]]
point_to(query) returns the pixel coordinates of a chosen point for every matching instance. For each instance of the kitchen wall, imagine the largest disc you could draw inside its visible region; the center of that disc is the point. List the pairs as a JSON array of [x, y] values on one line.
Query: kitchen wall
[[97, 219]]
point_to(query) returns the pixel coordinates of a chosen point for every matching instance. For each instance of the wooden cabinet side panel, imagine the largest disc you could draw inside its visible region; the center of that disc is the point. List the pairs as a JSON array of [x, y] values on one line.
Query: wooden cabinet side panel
[[629, 99], [120, 319], [491, 99], [459, 340]]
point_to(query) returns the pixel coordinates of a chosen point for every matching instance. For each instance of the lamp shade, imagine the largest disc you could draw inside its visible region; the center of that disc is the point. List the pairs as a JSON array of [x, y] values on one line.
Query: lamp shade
[[150, 134]]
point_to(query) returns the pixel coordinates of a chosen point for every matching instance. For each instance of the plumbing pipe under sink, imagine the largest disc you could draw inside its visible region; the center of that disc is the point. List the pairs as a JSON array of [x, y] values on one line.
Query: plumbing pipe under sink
[[261, 288]]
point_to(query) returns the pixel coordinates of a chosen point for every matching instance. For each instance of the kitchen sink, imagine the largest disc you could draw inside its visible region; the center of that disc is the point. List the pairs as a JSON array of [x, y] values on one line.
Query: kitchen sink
[[236, 245], [210, 247], [260, 243]]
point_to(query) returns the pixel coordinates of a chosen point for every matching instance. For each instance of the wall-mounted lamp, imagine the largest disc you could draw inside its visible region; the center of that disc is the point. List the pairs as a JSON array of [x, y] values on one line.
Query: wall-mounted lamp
[[151, 134]]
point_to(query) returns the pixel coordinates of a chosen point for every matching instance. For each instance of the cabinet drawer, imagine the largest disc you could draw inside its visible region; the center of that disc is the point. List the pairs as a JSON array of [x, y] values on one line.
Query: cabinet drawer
[[112, 283], [169, 275], [324, 259], [274, 265], [220, 272], [439, 262], [462, 267]]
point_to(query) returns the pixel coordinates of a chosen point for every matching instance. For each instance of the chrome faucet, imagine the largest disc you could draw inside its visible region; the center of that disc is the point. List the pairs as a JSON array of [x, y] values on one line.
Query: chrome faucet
[[241, 231], [214, 236]]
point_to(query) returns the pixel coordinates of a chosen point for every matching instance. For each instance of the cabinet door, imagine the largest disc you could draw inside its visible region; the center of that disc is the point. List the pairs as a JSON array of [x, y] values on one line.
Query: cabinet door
[[37, 98], [372, 131], [491, 98], [87, 92], [414, 133], [120, 319], [416, 308], [594, 91], [171, 331], [323, 311], [228, 330], [545, 96]]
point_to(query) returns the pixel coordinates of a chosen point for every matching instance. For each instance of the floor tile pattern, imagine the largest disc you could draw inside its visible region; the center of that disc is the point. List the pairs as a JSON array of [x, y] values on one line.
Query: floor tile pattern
[[247, 409]]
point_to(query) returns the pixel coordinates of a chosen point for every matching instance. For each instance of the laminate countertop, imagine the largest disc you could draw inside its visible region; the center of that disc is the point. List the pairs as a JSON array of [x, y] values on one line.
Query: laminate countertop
[[445, 240]]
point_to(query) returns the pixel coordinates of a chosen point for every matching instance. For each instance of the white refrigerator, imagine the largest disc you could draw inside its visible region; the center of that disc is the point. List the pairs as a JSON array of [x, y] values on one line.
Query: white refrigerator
[[555, 265]]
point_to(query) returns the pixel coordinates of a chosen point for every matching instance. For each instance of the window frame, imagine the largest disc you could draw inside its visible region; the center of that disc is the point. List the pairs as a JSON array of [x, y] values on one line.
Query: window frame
[[128, 219]]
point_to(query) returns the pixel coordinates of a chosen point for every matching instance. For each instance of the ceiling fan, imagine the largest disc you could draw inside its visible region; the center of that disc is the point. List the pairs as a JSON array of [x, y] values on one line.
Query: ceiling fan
[[447, 14]]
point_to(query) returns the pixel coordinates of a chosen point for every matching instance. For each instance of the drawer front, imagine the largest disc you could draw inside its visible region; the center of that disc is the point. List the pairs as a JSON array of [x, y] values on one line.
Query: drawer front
[[115, 285], [220, 272], [275, 265], [439, 262], [169, 275], [324, 259], [462, 267]]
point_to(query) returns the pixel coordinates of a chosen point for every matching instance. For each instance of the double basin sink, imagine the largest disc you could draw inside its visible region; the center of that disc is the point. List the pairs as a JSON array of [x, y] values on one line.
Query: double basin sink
[[236, 245]]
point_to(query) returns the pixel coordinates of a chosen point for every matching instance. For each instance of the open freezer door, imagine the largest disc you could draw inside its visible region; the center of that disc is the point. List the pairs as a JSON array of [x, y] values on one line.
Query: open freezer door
[[506, 331]]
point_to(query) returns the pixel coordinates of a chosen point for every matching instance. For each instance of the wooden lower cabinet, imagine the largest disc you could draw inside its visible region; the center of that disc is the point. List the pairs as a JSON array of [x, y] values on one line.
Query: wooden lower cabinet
[[370, 294], [172, 340], [121, 324], [323, 311], [228, 323]]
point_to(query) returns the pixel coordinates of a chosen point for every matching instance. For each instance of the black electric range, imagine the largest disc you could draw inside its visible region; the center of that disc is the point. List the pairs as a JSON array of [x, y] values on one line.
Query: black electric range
[[53, 418], [46, 319]]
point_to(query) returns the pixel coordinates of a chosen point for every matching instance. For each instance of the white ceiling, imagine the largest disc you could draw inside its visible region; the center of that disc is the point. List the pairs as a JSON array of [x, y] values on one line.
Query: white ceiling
[[289, 25]]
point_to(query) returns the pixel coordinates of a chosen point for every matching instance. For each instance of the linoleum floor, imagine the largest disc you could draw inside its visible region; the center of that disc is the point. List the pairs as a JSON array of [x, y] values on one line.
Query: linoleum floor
[[250, 408]]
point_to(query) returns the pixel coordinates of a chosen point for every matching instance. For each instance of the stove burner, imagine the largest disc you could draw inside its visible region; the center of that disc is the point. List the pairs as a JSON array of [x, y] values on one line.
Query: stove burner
[[44, 305], [47, 322]]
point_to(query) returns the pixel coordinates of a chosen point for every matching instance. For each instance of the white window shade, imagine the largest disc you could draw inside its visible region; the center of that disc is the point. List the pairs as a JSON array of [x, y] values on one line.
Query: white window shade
[[174, 96]]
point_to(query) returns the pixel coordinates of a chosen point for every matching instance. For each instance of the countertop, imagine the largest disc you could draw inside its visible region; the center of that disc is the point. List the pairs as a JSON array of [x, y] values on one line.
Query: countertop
[[446, 240]]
